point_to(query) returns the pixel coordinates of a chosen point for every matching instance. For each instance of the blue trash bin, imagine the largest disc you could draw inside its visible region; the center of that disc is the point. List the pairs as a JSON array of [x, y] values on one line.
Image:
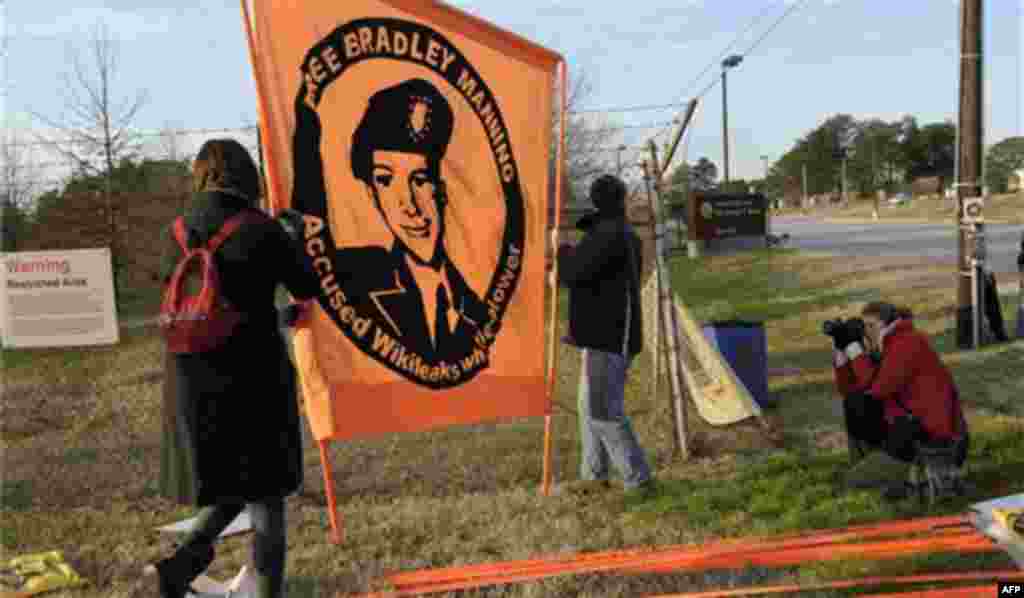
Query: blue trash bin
[[745, 347]]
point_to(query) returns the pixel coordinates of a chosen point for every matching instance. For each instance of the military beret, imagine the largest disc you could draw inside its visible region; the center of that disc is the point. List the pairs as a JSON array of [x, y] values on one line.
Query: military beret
[[411, 117]]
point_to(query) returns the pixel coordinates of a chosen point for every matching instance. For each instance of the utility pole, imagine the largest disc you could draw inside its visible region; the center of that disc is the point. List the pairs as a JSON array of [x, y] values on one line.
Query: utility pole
[[845, 195], [874, 163], [805, 185], [969, 157]]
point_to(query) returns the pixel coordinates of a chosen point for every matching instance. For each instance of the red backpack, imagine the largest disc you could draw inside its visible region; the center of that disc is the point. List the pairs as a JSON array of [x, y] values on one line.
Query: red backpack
[[195, 316]]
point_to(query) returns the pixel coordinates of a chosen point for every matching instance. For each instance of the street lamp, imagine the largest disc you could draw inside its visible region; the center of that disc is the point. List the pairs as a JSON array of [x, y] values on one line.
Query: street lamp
[[730, 62], [621, 149]]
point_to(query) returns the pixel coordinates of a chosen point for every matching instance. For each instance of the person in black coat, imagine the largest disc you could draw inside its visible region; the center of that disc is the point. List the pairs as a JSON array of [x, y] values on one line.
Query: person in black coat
[[231, 435], [605, 320]]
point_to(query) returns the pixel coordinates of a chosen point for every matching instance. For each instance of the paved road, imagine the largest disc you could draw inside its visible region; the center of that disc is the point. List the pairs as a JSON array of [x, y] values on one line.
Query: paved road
[[931, 240]]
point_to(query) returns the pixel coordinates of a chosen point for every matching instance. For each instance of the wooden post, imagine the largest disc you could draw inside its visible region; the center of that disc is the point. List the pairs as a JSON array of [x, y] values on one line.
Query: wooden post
[[658, 335], [664, 359], [662, 370], [666, 307], [969, 158]]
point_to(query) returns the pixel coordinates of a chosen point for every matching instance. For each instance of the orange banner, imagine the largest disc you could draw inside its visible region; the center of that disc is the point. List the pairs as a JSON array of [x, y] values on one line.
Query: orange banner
[[416, 141]]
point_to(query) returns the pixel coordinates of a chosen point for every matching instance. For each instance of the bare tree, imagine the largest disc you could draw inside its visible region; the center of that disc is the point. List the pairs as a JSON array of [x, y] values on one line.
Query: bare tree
[[97, 123], [96, 127], [589, 138], [17, 187]]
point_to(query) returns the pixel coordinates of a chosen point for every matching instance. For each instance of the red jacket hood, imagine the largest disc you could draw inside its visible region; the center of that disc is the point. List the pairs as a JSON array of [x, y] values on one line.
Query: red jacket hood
[[901, 326]]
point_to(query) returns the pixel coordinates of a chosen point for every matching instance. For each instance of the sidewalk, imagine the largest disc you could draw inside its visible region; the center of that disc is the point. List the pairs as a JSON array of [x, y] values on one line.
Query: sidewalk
[[898, 220]]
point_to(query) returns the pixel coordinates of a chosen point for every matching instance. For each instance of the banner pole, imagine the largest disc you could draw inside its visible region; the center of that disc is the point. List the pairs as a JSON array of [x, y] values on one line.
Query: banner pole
[[276, 197], [553, 281], [337, 532]]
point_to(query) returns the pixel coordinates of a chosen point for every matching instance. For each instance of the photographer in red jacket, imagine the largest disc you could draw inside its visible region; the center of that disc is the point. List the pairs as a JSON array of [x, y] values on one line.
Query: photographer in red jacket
[[904, 402]]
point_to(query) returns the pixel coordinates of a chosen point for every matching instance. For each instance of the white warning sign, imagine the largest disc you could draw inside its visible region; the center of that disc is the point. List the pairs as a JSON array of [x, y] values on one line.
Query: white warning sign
[[58, 299]]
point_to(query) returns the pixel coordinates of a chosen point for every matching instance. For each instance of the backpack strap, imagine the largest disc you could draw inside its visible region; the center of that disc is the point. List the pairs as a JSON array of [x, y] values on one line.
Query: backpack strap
[[180, 234], [228, 228]]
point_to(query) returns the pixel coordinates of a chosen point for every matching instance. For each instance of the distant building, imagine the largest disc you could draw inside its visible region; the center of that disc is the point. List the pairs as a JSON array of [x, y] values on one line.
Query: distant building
[[931, 185], [1016, 182]]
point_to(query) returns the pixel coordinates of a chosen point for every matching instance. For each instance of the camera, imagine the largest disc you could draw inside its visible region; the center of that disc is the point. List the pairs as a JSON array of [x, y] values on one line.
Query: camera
[[854, 327]]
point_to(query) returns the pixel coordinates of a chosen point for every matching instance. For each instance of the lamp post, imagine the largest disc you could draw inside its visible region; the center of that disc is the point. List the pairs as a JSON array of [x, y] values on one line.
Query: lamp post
[[620, 149], [730, 62]]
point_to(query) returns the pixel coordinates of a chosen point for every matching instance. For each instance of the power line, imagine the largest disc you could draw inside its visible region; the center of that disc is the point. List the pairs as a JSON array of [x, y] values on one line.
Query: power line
[[679, 103], [167, 133], [757, 18], [775, 25], [626, 109], [252, 129], [715, 81], [736, 39]]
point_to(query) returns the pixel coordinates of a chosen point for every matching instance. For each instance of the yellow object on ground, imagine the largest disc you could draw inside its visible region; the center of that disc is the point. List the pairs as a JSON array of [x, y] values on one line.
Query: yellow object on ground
[[33, 574], [1010, 519]]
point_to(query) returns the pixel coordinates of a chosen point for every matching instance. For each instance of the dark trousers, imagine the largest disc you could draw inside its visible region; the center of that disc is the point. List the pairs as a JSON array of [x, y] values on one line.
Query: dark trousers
[[268, 547], [865, 421]]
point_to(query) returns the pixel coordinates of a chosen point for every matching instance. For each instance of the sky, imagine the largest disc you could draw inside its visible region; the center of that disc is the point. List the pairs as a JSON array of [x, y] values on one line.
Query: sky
[[868, 58]]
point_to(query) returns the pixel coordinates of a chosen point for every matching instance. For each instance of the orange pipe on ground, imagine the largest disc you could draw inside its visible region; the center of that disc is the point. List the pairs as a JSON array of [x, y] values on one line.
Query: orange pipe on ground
[[986, 591], [962, 542], [738, 557], [698, 564], [1004, 575], [749, 544]]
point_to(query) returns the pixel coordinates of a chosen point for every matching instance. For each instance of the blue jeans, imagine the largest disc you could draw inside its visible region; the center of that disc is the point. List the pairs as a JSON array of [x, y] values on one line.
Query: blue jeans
[[604, 428]]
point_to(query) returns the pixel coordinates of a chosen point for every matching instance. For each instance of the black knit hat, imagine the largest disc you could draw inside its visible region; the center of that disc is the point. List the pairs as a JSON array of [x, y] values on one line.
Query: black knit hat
[[411, 117], [608, 193]]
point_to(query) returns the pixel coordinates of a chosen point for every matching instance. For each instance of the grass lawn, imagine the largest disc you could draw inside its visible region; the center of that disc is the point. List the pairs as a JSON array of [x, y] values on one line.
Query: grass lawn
[[1000, 208], [80, 435]]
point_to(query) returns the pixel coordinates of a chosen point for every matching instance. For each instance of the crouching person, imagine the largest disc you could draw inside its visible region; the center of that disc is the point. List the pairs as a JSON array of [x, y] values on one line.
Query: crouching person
[[900, 398]]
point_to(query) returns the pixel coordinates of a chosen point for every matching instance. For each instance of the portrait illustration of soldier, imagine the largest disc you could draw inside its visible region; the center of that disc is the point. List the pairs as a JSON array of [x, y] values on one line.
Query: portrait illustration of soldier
[[408, 287], [413, 286], [406, 180]]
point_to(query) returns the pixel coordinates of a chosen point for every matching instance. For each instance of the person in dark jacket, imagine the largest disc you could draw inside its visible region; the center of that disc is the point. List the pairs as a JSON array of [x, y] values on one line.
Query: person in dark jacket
[[905, 401], [603, 276], [231, 434]]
